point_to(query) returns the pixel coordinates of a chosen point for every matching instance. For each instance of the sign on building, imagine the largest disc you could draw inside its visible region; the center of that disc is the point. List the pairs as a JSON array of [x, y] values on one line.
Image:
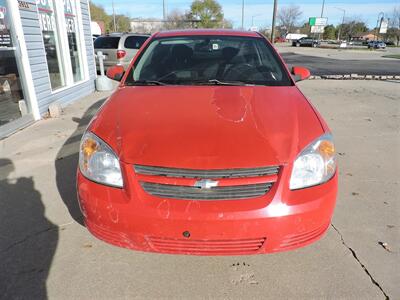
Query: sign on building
[[5, 37]]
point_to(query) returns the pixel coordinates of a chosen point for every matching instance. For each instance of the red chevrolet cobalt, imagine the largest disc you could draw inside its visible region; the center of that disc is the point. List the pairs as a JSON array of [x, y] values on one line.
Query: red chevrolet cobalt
[[207, 147]]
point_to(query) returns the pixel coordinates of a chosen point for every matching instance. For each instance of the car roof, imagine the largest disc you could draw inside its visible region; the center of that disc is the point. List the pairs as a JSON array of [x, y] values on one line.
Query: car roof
[[120, 34], [189, 32]]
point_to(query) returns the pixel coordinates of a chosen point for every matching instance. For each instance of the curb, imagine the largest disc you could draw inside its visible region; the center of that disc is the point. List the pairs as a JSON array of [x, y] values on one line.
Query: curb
[[355, 77]]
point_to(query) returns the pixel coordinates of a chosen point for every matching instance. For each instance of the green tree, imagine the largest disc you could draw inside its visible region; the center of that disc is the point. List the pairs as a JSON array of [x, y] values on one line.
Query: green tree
[[352, 28], [330, 32], [207, 13], [305, 29], [98, 13], [122, 22]]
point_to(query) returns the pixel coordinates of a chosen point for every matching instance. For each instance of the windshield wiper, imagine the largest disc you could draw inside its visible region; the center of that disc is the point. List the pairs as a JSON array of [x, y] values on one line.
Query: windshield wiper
[[145, 82], [219, 82]]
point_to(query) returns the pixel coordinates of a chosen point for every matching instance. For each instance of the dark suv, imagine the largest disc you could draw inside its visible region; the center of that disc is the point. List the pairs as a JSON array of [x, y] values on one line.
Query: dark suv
[[306, 42]]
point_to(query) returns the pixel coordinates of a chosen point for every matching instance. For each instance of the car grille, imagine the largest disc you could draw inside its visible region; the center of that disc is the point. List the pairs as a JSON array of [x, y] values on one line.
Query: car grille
[[214, 193], [206, 246], [208, 174], [182, 191]]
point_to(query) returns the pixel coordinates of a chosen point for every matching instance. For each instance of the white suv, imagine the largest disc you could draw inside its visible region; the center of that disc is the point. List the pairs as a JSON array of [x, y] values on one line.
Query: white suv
[[118, 48]]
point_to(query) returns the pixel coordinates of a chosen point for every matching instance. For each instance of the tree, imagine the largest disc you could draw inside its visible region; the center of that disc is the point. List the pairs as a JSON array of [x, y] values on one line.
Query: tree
[[394, 26], [207, 13], [289, 17], [330, 32], [352, 27], [178, 20], [305, 29], [123, 23], [98, 13]]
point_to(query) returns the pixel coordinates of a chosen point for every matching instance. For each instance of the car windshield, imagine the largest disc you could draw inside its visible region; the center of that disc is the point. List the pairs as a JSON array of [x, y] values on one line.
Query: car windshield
[[208, 60]]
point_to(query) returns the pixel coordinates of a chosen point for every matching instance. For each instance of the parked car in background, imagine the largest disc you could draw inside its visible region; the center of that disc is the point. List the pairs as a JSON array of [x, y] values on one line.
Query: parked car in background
[[207, 147], [118, 48], [306, 42], [376, 45]]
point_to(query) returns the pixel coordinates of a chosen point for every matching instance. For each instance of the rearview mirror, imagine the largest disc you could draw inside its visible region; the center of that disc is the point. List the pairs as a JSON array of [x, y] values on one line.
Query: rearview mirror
[[115, 72], [300, 73]]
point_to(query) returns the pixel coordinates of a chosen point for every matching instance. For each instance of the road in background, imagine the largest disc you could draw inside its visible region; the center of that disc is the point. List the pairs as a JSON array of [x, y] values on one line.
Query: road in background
[[340, 62]]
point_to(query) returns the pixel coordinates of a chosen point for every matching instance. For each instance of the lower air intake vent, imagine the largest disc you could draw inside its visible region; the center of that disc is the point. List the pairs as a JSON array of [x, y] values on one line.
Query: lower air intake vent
[[207, 246]]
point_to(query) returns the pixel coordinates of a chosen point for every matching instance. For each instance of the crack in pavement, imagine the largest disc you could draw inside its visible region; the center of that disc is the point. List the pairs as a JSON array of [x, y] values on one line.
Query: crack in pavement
[[28, 237], [360, 263]]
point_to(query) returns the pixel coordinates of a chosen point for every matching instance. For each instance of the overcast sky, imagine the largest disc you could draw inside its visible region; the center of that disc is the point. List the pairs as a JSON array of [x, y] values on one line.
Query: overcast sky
[[366, 10]]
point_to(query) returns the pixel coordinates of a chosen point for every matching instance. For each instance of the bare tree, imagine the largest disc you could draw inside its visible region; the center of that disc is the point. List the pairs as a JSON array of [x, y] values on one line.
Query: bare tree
[[289, 16], [394, 25], [177, 20]]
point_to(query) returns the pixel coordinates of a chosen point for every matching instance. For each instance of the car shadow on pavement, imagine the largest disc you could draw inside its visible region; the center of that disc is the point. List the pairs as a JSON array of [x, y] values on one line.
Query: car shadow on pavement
[[28, 240], [67, 161]]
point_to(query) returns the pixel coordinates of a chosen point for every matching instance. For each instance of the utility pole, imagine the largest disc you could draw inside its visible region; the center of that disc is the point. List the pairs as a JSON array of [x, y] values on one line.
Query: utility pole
[[115, 24], [273, 21], [340, 28], [322, 14], [322, 9], [242, 14], [164, 11]]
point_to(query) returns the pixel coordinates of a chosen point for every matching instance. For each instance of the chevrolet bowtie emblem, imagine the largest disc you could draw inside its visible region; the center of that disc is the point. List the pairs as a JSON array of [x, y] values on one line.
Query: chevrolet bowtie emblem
[[206, 184]]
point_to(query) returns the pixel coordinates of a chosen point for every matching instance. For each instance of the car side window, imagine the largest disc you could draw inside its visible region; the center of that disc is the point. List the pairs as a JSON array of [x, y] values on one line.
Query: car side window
[[134, 42], [106, 42]]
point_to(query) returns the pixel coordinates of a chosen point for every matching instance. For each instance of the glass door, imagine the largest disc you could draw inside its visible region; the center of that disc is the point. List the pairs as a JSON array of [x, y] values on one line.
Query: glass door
[[12, 104]]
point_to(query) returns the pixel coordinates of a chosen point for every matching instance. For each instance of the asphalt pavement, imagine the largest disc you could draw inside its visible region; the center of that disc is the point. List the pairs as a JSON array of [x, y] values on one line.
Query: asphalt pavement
[[329, 66], [46, 252]]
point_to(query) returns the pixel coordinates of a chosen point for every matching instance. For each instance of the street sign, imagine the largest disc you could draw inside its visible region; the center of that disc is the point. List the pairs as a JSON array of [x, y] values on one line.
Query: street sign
[[317, 29], [384, 26], [314, 21]]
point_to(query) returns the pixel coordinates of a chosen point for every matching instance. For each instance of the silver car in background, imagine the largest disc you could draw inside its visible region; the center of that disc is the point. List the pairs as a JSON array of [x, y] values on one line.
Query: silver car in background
[[118, 48]]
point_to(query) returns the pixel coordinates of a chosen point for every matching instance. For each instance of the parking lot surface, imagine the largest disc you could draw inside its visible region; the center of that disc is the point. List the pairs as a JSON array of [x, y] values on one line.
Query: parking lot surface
[[45, 251], [340, 62]]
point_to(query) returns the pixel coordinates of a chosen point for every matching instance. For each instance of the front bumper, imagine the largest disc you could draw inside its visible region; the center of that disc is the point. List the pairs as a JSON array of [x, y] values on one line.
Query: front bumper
[[279, 221]]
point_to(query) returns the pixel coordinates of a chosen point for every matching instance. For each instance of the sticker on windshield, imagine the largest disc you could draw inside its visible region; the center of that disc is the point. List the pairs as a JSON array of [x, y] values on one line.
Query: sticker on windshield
[[215, 46]]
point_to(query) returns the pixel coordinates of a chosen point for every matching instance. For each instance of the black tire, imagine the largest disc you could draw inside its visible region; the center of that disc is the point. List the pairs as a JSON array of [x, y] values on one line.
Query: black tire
[[297, 44]]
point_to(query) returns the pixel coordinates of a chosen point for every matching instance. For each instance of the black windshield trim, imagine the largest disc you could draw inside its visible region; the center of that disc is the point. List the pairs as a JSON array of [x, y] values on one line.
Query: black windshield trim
[[288, 81]]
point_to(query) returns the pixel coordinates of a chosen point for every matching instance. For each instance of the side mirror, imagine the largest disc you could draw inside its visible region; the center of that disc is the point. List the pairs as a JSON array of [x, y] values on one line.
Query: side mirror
[[300, 73], [115, 73]]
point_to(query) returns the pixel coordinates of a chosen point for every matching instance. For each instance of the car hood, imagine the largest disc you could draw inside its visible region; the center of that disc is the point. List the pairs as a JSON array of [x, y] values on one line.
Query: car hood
[[207, 127]]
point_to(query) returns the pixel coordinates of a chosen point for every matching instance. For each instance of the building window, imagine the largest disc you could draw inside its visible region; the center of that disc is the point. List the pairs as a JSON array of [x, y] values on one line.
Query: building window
[[73, 41], [51, 41]]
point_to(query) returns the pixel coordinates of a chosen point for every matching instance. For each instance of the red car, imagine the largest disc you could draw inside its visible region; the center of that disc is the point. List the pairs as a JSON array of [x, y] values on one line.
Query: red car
[[207, 147]]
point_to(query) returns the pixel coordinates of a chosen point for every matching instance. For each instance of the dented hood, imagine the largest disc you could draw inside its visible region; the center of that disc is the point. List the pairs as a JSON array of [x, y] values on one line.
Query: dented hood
[[207, 127]]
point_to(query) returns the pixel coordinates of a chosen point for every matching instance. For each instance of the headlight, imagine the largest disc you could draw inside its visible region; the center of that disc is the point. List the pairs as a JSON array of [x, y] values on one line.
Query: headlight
[[316, 164], [98, 162]]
